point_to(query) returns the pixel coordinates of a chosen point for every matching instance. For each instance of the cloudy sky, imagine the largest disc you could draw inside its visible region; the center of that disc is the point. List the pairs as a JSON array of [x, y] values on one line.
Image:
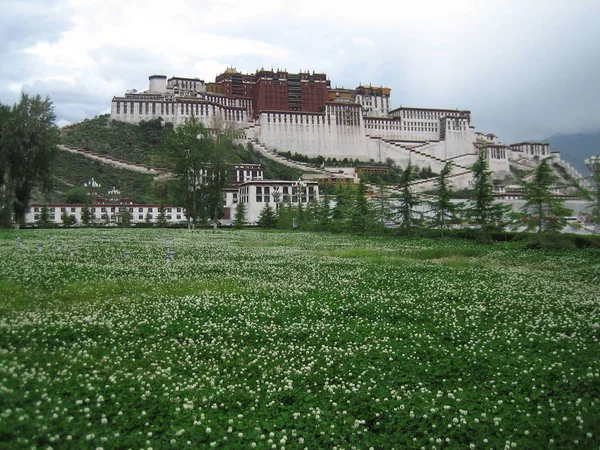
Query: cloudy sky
[[527, 69]]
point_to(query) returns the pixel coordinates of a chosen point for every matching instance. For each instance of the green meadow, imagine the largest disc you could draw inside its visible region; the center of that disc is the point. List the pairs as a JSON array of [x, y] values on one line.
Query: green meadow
[[280, 340]]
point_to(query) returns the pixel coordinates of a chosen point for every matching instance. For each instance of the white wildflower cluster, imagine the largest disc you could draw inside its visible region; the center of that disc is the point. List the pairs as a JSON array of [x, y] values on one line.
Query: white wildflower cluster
[[294, 340]]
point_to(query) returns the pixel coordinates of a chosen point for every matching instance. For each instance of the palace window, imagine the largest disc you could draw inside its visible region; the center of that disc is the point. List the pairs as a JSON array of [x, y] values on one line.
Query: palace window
[[118, 107]]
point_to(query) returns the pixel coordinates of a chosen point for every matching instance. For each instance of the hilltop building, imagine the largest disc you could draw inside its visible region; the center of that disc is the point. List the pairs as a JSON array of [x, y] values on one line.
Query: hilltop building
[[282, 111]]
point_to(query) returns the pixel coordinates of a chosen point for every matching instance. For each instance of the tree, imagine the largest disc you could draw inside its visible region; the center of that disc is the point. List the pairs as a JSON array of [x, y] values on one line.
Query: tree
[[44, 220], [240, 215], [267, 217], [67, 220], [443, 209], [483, 211], [548, 212], [190, 148], [76, 195], [360, 216], [382, 208], [407, 201], [125, 218], [86, 214], [28, 139], [594, 193], [162, 222], [343, 208], [323, 220]]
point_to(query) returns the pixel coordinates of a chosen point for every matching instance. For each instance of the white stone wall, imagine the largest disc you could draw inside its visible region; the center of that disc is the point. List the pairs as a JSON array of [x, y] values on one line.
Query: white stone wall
[[135, 110], [339, 132]]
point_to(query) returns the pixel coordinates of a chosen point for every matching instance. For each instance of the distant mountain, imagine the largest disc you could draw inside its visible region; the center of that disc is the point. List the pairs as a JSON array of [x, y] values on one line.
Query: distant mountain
[[575, 148]]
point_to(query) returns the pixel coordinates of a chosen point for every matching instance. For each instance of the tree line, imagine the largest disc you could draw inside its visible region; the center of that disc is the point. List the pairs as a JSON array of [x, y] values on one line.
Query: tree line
[[349, 210]]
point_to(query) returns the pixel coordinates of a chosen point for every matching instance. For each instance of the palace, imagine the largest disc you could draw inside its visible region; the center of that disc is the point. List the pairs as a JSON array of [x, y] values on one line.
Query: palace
[[281, 111]]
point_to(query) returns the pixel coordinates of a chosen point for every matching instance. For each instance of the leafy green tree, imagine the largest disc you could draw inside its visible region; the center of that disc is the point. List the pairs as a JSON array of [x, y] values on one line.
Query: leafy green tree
[[28, 139], [483, 210], [549, 213], [360, 217], [267, 217], [77, 195], [240, 215], [311, 214], [407, 201], [444, 211], [190, 148]]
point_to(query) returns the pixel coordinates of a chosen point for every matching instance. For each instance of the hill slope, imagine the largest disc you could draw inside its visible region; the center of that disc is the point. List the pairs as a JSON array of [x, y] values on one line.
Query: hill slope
[[142, 144]]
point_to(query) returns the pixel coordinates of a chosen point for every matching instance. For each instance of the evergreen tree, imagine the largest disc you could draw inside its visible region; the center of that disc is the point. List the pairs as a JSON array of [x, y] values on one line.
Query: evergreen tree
[[483, 211], [311, 215], [360, 216], [593, 195], [240, 215], [443, 210], [44, 220], [162, 221], [267, 217], [549, 213], [382, 208], [323, 221], [66, 219], [407, 202], [28, 140], [343, 208], [86, 213], [284, 215], [125, 218]]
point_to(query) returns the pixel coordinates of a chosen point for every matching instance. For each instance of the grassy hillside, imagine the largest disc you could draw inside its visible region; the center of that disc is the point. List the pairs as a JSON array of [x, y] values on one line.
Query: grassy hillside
[[142, 144], [146, 144], [70, 170]]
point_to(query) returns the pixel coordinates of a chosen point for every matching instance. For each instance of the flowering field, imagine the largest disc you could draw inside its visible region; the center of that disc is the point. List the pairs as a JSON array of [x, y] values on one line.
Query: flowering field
[[169, 339]]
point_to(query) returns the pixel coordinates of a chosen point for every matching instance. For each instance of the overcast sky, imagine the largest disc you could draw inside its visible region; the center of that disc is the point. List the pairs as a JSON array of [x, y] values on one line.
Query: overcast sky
[[527, 69]]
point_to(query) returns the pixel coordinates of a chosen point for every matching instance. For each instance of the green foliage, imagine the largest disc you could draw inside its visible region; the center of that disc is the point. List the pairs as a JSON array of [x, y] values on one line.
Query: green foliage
[[161, 221], [240, 215], [407, 202], [267, 217], [141, 144], [444, 211], [546, 212], [593, 194], [70, 170], [44, 220], [361, 217], [28, 139], [483, 211], [382, 208], [77, 195]]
